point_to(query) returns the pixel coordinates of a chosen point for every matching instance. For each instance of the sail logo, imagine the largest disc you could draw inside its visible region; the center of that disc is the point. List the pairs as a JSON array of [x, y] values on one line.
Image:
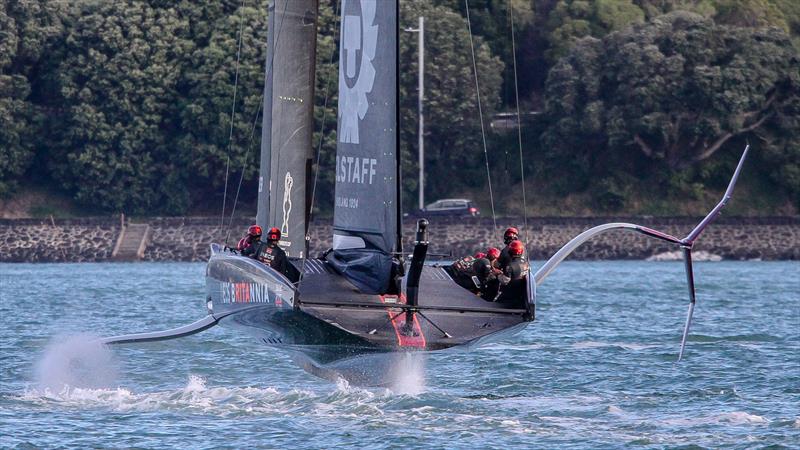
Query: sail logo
[[288, 182], [359, 37], [352, 169]]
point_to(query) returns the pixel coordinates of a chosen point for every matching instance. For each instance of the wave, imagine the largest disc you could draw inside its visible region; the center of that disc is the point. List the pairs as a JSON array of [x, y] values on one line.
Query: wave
[[756, 337], [197, 395], [732, 417], [623, 345]]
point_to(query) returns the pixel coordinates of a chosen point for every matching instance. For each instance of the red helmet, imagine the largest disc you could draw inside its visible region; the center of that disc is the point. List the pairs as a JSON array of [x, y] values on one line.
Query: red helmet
[[510, 234], [274, 234], [492, 254], [516, 248], [254, 230], [480, 255]]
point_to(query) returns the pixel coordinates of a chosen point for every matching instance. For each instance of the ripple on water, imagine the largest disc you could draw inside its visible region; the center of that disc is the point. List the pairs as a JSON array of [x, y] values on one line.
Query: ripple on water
[[597, 369]]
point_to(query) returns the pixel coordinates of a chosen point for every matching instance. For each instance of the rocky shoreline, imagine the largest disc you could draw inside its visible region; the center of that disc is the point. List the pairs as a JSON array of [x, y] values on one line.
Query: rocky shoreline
[[188, 238]]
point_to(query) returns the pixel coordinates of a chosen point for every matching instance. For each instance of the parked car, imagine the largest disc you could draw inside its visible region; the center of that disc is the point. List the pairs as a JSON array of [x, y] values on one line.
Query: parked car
[[457, 207]]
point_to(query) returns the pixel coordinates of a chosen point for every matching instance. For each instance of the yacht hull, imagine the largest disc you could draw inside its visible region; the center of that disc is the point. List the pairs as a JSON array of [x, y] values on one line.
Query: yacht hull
[[332, 330]]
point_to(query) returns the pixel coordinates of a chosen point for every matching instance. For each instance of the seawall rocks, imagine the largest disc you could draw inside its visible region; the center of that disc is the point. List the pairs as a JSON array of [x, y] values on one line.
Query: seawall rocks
[[85, 240], [188, 238]]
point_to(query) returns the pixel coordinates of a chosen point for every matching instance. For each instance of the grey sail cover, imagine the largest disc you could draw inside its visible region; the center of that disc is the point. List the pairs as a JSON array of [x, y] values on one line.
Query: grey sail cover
[[287, 127], [365, 210]]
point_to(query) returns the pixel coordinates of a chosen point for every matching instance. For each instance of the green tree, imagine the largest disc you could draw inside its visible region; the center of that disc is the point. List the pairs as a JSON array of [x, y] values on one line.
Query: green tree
[[26, 29], [452, 125], [670, 94], [117, 87], [573, 19], [205, 141]]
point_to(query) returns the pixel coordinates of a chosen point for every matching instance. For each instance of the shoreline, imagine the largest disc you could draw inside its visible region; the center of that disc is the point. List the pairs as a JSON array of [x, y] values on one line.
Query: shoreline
[[94, 239]]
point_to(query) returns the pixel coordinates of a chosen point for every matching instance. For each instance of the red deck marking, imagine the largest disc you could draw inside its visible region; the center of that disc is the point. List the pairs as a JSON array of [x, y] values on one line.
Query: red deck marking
[[415, 339]]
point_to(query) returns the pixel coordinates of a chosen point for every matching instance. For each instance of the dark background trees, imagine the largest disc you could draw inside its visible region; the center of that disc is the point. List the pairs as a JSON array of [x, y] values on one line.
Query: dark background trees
[[125, 106]]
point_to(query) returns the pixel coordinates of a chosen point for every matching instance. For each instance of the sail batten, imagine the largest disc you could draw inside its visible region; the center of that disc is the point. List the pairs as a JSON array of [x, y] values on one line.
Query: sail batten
[[365, 209], [287, 128]]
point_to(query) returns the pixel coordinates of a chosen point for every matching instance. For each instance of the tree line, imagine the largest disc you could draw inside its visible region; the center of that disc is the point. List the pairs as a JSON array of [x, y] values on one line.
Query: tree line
[[127, 105]]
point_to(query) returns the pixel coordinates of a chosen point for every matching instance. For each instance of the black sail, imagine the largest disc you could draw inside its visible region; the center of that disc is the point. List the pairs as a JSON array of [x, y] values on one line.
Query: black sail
[[287, 126], [365, 212]]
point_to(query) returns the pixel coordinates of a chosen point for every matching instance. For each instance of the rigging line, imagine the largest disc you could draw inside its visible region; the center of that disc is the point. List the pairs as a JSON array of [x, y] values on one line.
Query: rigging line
[[244, 166], [252, 131], [480, 113], [519, 119], [319, 145], [233, 113]]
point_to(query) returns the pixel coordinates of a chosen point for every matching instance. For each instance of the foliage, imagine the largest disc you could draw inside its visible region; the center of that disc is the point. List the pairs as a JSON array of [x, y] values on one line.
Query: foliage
[[452, 123], [573, 19], [126, 105], [669, 94], [117, 88], [26, 29], [209, 151]]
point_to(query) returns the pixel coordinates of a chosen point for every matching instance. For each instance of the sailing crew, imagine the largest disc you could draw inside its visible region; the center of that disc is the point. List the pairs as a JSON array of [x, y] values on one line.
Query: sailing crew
[[513, 278], [511, 234], [271, 253], [248, 244], [490, 285]]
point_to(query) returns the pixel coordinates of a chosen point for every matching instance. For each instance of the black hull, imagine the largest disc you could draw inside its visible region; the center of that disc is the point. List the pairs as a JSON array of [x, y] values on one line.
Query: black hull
[[333, 330]]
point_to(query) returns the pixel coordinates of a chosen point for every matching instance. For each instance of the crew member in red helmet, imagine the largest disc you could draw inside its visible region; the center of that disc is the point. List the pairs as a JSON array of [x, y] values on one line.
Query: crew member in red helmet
[[518, 266], [512, 290], [247, 245], [487, 273], [511, 234], [492, 254], [271, 253]]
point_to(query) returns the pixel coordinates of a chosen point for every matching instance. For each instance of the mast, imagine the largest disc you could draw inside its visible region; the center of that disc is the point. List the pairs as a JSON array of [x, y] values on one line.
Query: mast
[[266, 124], [398, 159], [287, 127]]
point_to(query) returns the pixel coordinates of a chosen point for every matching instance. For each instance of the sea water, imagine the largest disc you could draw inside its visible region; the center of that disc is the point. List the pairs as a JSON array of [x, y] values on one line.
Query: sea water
[[596, 369]]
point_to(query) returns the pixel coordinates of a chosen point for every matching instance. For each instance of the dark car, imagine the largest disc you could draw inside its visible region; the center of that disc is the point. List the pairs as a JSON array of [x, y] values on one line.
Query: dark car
[[458, 207]]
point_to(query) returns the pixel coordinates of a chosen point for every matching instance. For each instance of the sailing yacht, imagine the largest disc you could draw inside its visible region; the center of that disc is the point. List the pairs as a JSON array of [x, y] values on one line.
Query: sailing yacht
[[360, 299], [350, 312]]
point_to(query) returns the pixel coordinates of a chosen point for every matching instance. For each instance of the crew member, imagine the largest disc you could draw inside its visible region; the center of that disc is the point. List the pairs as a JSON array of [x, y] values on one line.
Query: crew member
[[482, 268], [492, 254], [511, 234], [270, 252], [518, 266], [491, 285], [513, 278], [248, 244]]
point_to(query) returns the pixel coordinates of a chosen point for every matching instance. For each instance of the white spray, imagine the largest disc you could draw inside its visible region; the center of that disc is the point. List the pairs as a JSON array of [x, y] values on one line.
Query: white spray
[[76, 361], [409, 370]]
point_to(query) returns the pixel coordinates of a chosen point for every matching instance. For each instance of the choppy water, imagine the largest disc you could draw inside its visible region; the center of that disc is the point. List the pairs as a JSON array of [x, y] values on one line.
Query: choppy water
[[597, 369]]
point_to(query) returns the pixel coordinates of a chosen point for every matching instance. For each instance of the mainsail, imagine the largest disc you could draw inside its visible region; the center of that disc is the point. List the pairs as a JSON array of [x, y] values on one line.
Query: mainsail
[[365, 210], [287, 127]]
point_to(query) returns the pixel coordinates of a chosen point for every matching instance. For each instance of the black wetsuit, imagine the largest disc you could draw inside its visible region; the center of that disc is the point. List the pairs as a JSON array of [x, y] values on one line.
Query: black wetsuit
[[513, 290], [504, 259], [482, 269], [516, 268], [270, 253]]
